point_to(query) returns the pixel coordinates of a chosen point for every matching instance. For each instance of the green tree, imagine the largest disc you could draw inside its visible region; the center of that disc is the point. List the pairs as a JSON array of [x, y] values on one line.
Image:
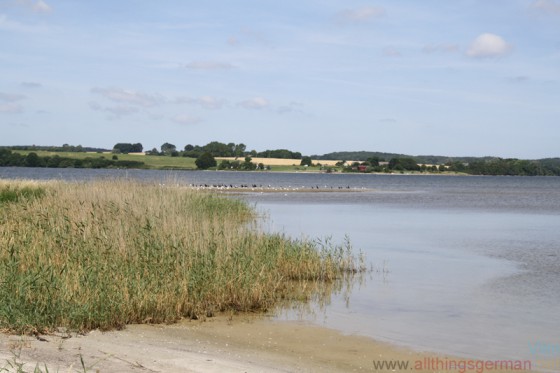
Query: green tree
[[168, 148], [374, 161], [239, 150], [33, 160], [218, 149], [224, 165], [404, 163], [205, 161], [118, 148], [66, 163], [306, 161], [136, 148], [280, 153], [248, 164], [154, 151], [125, 148]]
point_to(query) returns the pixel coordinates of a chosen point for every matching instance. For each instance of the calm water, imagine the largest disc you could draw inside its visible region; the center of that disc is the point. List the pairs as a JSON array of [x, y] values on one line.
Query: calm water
[[474, 262]]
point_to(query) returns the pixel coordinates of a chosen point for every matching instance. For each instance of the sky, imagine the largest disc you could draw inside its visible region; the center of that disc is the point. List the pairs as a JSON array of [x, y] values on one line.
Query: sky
[[458, 78]]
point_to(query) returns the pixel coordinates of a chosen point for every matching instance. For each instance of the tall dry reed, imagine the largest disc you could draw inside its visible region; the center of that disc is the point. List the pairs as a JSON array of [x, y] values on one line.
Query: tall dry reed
[[105, 254]]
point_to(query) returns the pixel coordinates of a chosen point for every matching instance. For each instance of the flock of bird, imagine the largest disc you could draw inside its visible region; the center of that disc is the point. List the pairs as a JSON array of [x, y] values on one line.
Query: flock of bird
[[260, 187]]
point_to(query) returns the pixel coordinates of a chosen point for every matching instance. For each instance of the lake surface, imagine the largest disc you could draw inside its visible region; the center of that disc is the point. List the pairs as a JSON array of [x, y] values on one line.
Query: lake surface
[[465, 265]]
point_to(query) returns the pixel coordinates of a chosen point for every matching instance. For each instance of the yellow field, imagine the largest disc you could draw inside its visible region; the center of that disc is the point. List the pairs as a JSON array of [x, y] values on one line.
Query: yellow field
[[271, 161], [279, 161]]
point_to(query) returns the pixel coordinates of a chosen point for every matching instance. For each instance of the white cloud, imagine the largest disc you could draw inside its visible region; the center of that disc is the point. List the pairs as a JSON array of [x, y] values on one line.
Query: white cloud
[[9, 105], [121, 110], [14, 26], [95, 106], [10, 97], [233, 41], [548, 6], [117, 111], [292, 107], [208, 102], [488, 45], [391, 52], [388, 120], [129, 97], [209, 65], [255, 103], [10, 108], [184, 100], [185, 119], [247, 35], [359, 15], [39, 6], [22, 125], [8, 25], [519, 79]]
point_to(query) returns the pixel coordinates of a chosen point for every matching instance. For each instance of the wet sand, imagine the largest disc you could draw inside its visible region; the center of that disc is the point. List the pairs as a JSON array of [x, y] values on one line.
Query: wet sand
[[220, 344]]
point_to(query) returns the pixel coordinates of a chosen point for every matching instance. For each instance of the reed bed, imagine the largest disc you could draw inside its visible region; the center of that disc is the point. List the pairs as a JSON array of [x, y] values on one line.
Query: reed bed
[[108, 253]]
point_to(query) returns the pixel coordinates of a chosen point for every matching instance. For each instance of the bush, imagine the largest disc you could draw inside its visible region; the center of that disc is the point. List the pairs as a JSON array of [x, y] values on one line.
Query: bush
[[205, 161]]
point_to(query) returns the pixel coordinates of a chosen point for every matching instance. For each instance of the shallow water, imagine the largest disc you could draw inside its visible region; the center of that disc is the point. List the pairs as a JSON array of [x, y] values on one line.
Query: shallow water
[[473, 262], [454, 284], [474, 267]]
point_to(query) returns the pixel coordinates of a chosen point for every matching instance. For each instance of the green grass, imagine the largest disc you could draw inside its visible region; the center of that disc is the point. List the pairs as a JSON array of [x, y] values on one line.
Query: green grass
[[106, 254], [9, 193], [151, 161], [159, 162]]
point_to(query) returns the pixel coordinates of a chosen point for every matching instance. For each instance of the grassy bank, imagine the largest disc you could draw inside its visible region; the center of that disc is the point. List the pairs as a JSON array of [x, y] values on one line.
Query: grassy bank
[[151, 161], [105, 254]]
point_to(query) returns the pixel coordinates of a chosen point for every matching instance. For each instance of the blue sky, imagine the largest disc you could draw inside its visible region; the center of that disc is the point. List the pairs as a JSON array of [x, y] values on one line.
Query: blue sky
[[464, 77]]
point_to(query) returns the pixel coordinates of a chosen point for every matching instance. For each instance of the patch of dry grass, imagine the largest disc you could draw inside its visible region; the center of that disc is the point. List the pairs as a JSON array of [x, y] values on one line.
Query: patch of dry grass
[[279, 161], [105, 254]]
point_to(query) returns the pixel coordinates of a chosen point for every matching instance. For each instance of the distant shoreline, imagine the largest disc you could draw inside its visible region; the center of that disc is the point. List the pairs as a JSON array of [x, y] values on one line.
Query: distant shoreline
[[49, 159]]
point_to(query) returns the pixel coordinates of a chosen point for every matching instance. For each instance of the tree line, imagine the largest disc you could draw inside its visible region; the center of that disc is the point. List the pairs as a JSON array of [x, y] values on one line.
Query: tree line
[[363, 156], [494, 166], [205, 158], [214, 148], [63, 148], [205, 155], [511, 166], [12, 159]]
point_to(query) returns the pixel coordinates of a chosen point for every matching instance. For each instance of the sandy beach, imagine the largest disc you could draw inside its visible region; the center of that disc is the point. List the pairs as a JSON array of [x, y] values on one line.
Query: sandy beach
[[220, 344]]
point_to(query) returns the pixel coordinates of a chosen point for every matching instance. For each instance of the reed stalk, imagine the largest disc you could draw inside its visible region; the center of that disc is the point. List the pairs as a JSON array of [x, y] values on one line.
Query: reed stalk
[[105, 254]]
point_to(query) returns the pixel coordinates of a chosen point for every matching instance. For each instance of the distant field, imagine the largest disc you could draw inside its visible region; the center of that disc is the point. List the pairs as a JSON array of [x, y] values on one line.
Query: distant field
[[279, 161], [151, 161], [183, 163]]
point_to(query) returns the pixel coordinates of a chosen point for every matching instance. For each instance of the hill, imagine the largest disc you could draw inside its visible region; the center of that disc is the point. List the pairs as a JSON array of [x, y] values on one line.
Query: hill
[[421, 159]]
